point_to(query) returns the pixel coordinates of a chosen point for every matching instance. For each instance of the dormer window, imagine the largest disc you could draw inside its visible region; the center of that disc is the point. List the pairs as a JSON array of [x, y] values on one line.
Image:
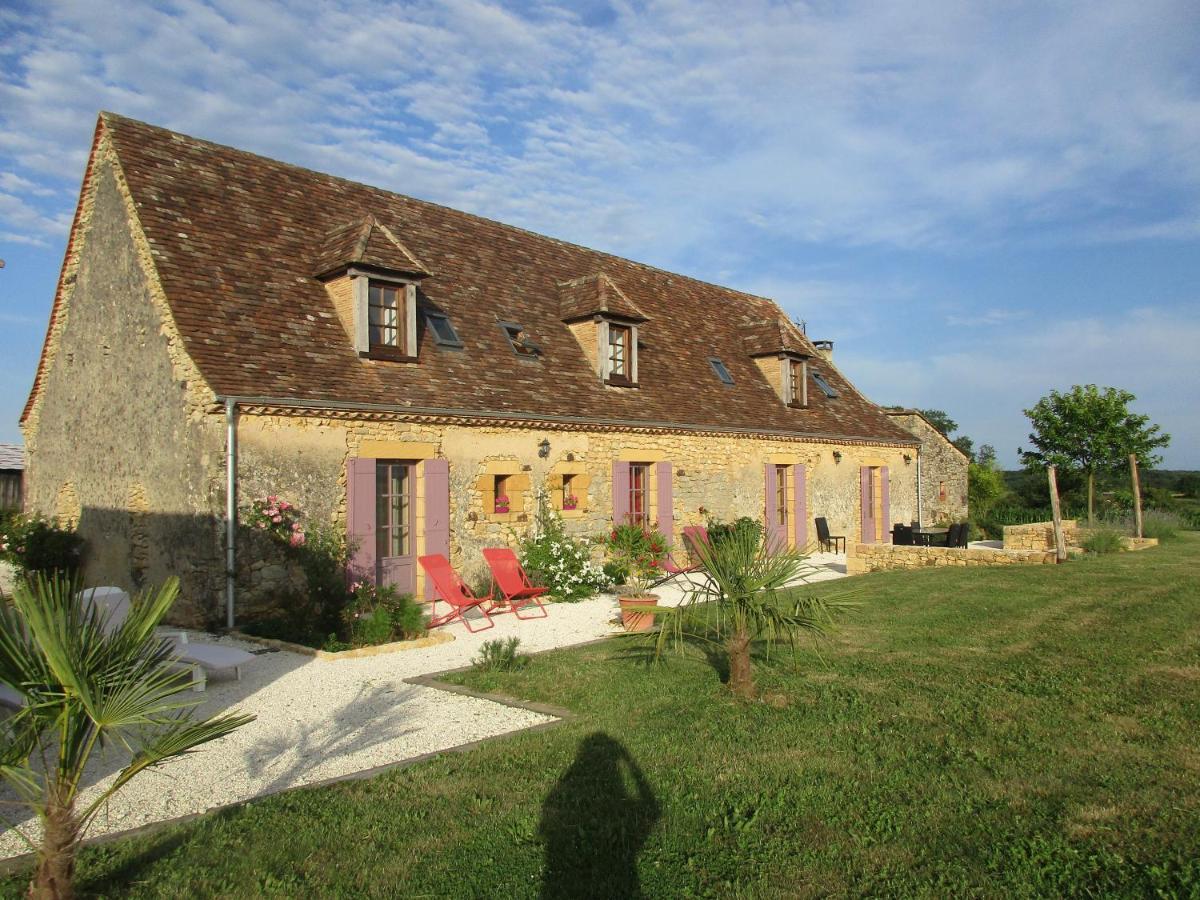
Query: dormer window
[[620, 354], [519, 340], [391, 318], [443, 331], [385, 305], [797, 370], [371, 279], [826, 388]]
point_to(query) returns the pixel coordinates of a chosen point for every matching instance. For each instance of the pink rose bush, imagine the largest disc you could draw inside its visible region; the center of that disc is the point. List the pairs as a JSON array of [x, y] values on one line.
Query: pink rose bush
[[277, 517]]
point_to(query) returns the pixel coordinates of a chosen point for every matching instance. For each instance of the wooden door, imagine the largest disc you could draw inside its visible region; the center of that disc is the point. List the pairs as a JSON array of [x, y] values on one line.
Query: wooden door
[[395, 535]]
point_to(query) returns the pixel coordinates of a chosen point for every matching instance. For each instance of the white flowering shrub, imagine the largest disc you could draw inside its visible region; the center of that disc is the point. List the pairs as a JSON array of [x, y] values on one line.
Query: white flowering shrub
[[558, 561]]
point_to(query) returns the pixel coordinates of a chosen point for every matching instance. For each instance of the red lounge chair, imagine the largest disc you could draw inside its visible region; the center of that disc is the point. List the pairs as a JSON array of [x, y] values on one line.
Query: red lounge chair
[[515, 587], [450, 588], [693, 537]]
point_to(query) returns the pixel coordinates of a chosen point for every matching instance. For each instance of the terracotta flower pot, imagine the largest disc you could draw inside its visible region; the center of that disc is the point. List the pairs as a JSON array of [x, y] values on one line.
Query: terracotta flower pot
[[633, 619]]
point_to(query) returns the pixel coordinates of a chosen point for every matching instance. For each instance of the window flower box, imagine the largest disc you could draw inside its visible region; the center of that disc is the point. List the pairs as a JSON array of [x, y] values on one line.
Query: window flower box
[[501, 505], [570, 502]]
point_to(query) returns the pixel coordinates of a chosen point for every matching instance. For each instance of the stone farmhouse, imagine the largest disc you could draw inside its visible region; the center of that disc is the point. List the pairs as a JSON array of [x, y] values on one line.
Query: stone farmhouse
[[942, 470], [415, 375]]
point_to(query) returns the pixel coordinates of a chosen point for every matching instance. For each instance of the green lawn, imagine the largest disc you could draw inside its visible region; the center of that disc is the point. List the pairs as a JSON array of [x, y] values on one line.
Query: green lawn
[[986, 732]]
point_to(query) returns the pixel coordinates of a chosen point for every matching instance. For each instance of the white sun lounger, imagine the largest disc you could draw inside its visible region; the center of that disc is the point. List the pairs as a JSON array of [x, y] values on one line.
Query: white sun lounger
[[200, 658], [10, 698], [205, 658]]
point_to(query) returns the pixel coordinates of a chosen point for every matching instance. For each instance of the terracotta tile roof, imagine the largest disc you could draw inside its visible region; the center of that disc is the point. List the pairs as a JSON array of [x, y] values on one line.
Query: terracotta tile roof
[[368, 243], [775, 335], [12, 456], [584, 297], [236, 239]]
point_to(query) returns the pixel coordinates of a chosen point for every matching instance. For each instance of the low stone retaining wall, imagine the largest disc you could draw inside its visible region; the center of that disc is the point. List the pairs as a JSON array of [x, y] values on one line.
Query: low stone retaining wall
[[1132, 543], [883, 557], [1039, 535], [430, 640]]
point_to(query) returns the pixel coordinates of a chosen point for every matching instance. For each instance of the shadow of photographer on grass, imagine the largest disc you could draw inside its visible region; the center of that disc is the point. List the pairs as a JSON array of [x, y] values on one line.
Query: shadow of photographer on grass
[[595, 821]]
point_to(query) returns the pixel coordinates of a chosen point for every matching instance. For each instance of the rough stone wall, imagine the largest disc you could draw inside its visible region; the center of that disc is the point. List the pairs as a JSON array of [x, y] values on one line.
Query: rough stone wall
[[304, 460], [943, 472], [884, 557], [116, 444], [1039, 535]]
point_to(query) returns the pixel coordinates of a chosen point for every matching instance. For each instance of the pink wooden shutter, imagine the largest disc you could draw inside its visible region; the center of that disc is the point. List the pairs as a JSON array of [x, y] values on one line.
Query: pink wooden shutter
[[771, 517], [620, 493], [360, 518], [666, 500], [437, 512], [868, 514], [885, 504], [800, 484]]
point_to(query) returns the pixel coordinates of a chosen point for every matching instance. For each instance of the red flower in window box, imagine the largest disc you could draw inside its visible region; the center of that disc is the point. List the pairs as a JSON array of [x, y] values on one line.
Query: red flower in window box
[[501, 504], [570, 502]]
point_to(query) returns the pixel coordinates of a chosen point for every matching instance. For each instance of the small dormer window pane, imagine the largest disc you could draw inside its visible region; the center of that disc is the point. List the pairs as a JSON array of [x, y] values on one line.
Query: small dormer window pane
[[618, 351], [443, 330], [825, 386], [385, 316], [799, 395], [720, 370]]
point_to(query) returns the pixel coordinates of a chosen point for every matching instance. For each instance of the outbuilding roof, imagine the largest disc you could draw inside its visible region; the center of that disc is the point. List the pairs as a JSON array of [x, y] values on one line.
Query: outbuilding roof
[[12, 456], [238, 242]]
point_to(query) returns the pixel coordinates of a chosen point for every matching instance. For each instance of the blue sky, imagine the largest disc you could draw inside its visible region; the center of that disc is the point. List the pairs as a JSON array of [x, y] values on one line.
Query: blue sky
[[977, 202]]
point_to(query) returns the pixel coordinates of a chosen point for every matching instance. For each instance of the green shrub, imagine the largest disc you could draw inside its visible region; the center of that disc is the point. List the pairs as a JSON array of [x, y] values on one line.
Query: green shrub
[[500, 656], [371, 628], [35, 545], [615, 573], [295, 619], [379, 615], [1160, 524], [1102, 540], [554, 559], [323, 557], [718, 531]]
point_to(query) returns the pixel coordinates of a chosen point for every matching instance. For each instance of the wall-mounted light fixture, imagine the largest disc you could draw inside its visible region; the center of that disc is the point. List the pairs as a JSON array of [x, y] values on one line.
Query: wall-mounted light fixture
[[837, 456], [544, 448], [907, 459]]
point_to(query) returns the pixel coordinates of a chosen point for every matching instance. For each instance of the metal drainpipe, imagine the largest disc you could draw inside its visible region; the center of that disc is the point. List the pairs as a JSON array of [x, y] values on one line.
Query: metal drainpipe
[[920, 517], [230, 506]]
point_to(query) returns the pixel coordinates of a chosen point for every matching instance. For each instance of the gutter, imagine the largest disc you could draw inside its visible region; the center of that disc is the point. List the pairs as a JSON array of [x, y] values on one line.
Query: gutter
[[230, 506], [343, 406], [920, 518]]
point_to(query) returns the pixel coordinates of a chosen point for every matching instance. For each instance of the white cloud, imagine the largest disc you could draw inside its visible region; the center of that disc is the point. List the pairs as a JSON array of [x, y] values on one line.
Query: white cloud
[[985, 384], [925, 124]]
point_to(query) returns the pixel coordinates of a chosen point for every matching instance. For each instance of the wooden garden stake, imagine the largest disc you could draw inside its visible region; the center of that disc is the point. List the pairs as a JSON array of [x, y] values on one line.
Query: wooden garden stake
[[1137, 496], [1060, 543]]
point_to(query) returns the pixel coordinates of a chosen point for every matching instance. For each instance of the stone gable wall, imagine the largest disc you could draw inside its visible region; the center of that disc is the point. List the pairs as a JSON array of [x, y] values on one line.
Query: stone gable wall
[[943, 469], [116, 447]]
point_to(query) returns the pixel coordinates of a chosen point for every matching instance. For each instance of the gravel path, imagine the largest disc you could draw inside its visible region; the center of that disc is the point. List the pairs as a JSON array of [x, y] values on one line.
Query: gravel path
[[321, 719]]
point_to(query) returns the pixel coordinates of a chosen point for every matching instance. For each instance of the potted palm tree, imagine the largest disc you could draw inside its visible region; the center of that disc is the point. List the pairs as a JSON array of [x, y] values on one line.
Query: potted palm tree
[[752, 592], [84, 682]]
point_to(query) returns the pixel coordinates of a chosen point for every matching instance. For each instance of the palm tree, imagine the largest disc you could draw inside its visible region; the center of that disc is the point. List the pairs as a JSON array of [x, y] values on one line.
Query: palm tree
[[749, 592], [86, 682]]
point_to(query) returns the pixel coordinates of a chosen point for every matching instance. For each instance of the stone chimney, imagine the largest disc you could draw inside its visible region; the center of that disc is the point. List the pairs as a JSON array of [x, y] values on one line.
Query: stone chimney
[[824, 350]]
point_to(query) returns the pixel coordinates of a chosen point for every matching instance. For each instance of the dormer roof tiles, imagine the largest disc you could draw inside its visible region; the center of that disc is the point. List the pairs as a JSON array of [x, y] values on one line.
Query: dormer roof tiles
[[595, 295]]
